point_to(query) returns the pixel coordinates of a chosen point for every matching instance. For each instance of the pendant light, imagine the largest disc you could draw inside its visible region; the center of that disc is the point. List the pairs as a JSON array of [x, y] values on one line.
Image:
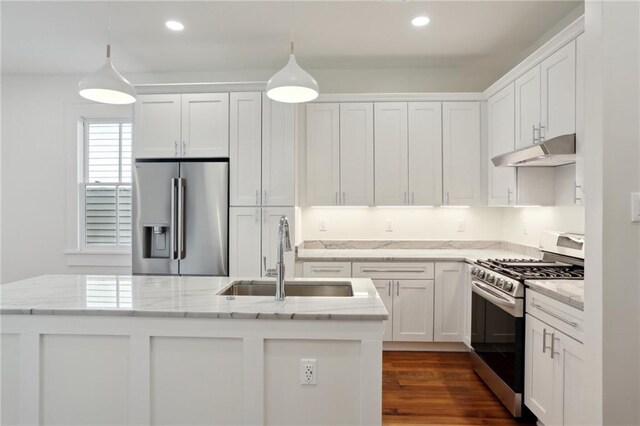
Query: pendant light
[[292, 84], [107, 85]]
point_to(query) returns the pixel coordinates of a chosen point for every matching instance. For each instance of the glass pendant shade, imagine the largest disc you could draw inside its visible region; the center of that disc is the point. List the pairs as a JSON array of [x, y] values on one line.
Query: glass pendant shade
[[292, 84], [107, 85]]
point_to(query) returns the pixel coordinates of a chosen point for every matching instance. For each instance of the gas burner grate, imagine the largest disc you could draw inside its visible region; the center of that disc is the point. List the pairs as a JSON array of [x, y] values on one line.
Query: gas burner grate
[[531, 269]]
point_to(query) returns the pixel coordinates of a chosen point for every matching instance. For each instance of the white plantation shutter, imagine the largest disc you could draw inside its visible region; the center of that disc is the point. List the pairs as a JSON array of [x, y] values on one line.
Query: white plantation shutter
[[107, 186]]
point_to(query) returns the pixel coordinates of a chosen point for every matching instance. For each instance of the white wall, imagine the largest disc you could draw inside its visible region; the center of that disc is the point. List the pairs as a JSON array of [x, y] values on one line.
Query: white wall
[[518, 225], [35, 144], [612, 164]]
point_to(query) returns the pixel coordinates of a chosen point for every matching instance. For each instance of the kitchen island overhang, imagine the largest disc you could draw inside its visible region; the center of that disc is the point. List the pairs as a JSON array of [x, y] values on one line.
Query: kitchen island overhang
[[178, 352]]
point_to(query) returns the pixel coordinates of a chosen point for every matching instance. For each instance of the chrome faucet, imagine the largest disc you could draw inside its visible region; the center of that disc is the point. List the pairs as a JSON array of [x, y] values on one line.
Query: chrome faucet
[[284, 244]]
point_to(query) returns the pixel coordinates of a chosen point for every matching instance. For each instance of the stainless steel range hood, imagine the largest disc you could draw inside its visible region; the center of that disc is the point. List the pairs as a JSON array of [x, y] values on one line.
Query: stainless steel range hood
[[550, 153]]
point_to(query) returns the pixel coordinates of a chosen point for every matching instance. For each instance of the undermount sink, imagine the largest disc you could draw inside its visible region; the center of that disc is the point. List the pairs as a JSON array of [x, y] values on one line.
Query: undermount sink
[[291, 288]]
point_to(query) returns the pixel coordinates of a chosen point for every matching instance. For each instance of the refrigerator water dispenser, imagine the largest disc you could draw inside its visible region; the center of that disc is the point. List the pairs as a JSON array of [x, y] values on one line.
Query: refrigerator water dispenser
[[156, 241]]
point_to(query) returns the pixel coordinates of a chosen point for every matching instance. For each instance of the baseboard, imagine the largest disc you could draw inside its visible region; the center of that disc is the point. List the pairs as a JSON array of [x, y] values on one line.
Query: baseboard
[[425, 346]]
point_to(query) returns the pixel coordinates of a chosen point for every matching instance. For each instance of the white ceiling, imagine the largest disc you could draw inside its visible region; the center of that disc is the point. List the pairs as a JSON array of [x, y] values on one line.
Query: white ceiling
[[69, 37]]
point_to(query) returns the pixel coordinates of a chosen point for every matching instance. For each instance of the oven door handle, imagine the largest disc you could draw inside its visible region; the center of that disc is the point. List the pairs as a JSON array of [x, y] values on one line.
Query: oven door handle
[[510, 305]]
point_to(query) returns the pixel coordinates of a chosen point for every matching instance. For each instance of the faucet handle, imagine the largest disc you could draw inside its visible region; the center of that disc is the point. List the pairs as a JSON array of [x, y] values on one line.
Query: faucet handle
[[270, 273]]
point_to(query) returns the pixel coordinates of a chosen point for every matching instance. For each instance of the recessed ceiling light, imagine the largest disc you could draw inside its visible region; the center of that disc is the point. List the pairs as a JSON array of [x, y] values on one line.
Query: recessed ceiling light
[[174, 25], [420, 21]]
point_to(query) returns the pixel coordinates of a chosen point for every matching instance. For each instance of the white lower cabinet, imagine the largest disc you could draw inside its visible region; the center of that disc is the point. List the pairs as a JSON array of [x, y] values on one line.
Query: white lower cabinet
[[413, 310], [253, 236], [448, 308], [554, 376]]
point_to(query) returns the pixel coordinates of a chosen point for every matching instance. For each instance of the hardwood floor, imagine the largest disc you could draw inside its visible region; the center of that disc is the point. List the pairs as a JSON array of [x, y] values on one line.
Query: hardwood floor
[[429, 388]]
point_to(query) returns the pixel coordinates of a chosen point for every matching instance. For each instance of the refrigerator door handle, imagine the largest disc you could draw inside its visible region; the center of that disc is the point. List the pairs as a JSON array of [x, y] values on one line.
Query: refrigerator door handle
[[182, 183], [174, 219]]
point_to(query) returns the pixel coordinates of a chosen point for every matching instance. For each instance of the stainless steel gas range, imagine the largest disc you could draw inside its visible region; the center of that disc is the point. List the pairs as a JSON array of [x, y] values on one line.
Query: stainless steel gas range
[[497, 311]]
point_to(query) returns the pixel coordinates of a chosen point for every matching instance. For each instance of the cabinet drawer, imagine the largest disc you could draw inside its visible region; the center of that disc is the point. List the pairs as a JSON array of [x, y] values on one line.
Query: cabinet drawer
[[393, 270], [327, 269], [559, 315]]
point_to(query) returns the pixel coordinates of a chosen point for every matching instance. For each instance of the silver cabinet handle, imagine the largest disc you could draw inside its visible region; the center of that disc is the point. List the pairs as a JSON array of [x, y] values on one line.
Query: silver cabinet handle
[[174, 220], [257, 197], [534, 134], [553, 345], [542, 137], [265, 216], [175, 144], [265, 197], [337, 202], [182, 183], [509, 196], [389, 288], [544, 340], [271, 273], [417, 271], [397, 288], [553, 314], [257, 216], [326, 269], [413, 198], [184, 148], [344, 198], [448, 202], [575, 193]]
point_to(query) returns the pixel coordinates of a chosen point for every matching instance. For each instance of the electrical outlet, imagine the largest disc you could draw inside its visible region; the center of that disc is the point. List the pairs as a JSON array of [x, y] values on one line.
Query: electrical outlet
[[461, 225], [388, 225], [308, 372], [322, 225]]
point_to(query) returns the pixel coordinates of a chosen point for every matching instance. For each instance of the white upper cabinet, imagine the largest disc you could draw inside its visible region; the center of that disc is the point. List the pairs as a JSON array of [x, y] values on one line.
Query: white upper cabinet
[[580, 89], [461, 153], [356, 154], [558, 81], [527, 98], [323, 154], [425, 153], [205, 125], [278, 176], [188, 125], [245, 148], [501, 131], [156, 132], [270, 228], [391, 154], [245, 237]]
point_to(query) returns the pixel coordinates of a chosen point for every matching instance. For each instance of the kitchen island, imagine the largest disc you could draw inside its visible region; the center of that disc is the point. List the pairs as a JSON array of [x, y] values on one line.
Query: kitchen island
[[175, 350]]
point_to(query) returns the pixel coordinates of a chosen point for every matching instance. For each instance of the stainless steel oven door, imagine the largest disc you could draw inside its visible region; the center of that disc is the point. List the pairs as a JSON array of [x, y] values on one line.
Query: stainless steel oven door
[[497, 339]]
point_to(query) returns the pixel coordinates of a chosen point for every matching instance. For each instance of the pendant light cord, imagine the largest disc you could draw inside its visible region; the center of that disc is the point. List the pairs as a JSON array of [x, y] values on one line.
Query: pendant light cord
[[291, 29], [109, 29]]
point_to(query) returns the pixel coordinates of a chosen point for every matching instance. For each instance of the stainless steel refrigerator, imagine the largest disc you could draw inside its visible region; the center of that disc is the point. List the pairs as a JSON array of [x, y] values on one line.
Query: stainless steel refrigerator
[[180, 217]]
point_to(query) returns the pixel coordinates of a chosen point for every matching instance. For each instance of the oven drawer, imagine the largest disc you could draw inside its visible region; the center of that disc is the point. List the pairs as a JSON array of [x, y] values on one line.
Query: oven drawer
[[559, 315], [394, 270]]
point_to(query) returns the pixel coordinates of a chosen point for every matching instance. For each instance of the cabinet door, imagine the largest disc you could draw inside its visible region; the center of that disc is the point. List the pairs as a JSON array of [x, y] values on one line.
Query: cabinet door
[[277, 153], [580, 90], [527, 95], [244, 242], [425, 153], [569, 381], [270, 225], [538, 374], [449, 302], [245, 148], [385, 288], [356, 154], [501, 129], [413, 311], [461, 153], [205, 125], [558, 78], [323, 154], [156, 128], [391, 154]]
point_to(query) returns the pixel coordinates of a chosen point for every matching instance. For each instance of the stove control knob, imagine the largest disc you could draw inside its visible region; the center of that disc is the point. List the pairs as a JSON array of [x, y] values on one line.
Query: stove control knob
[[480, 274], [490, 278], [474, 271], [508, 286], [499, 282]]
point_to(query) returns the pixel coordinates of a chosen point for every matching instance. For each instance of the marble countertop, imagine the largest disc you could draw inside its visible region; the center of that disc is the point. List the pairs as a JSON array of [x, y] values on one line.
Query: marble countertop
[[570, 292], [374, 255], [172, 296]]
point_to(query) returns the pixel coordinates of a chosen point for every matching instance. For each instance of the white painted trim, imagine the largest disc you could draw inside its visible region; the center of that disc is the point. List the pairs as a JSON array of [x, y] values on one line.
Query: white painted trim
[[425, 346], [203, 87], [139, 379], [400, 97], [572, 31], [29, 378], [253, 381]]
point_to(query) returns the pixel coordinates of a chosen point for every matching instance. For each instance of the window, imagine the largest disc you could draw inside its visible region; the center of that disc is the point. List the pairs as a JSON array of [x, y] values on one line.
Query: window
[[106, 187]]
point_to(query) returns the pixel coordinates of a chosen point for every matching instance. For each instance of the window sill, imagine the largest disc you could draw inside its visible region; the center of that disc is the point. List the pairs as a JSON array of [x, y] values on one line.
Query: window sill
[[98, 258]]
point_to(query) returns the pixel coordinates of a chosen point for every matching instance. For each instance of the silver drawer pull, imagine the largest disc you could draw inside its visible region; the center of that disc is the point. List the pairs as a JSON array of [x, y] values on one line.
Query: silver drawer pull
[[326, 270], [394, 270], [553, 314]]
